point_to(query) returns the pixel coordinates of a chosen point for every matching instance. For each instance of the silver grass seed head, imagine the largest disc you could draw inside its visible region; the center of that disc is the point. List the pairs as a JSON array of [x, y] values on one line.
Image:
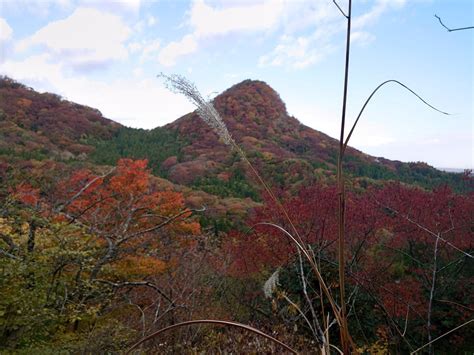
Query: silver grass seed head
[[270, 286], [180, 85]]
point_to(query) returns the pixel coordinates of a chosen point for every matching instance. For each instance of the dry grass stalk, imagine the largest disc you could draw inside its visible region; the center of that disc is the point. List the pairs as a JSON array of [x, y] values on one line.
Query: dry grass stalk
[[210, 116]]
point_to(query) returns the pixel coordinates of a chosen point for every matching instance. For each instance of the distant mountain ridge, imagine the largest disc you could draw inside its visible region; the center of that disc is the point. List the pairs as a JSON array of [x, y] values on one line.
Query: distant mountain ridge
[[188, 152]]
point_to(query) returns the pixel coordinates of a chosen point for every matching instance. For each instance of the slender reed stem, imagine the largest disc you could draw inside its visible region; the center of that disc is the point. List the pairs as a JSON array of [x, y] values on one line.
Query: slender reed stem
[[211, 321], [209, 114], [370, 98], [442, 336], [344, 332]]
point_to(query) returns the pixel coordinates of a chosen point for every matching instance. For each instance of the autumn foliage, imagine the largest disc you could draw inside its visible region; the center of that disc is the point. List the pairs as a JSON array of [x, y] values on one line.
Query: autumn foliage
[[96, 251], [391, 239], [93, 234]]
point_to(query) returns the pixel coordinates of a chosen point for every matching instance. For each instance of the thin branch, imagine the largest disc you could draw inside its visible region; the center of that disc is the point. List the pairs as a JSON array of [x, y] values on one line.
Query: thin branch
[[61, 207], [432, 290], [442, 336], [84, 211], [402, 252], [426, 230], [302, 315], [453, 29], [320, 335], [162, 224], [372, 283], [142, 315], [8, 255], [456, 304], [212, 321], [8, 240], [137, 283], [406, 322], [342, 12], [337, 349], [373, 93], [335, 309]]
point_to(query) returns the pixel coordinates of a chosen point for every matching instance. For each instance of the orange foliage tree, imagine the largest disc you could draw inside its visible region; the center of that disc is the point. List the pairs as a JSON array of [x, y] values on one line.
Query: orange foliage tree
[[86, 248], [126, 211]]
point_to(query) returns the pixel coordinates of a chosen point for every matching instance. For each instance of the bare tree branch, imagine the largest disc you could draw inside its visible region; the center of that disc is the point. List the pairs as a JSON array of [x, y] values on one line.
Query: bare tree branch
[[162, 224], [137, 283], [92, 205], [442, 336], [453, 29], [108, 257], [426, 230]]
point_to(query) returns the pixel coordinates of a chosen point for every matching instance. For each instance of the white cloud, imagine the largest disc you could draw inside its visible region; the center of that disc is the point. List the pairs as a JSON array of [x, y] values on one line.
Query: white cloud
[[377, 10], [301, 15], [150, 50], [36, 69], [362, 38], [147, 49], [115, 6], [210, 21], [5, 31], [151, 20], [429, 141], [40, 8], [87, 37], [303, 51], [174, 50], [135, 47], [137, 72], [136, 102], [295, 49]]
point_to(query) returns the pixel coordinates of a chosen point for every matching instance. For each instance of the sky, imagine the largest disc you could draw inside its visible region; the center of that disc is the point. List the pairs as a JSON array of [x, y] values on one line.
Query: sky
[[107, 54]]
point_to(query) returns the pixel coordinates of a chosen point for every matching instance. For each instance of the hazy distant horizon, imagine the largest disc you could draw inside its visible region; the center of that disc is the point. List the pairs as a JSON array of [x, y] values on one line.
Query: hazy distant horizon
[[453, 170]]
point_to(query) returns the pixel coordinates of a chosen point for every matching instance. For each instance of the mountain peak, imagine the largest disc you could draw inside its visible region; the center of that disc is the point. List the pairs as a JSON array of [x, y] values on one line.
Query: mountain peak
[[250, 100]]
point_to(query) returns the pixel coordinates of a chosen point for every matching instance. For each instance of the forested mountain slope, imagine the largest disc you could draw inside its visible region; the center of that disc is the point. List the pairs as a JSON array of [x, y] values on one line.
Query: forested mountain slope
[[188, 152], [98, 250]]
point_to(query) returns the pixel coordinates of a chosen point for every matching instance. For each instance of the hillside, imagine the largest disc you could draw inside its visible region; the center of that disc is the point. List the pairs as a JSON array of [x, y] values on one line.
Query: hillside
[[40, 126], [288, 153], [187, 152], [98, 250], [259, 122]]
